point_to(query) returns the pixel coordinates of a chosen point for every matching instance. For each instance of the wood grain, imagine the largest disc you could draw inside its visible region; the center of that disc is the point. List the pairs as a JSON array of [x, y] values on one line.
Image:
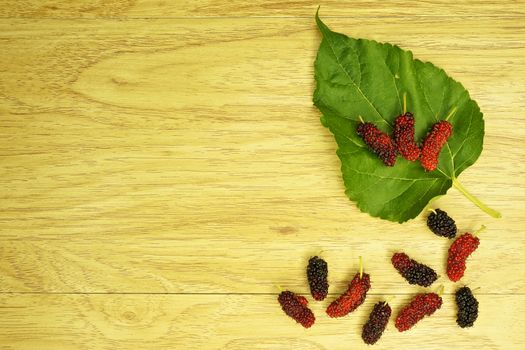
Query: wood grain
[[234, 322], [127, 165], [246, 8], [151, 147]]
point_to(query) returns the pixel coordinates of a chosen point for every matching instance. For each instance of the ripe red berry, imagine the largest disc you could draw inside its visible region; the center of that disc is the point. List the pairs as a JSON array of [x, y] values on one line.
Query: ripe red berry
[[352, 298], [458, 253], [433, 142], [412, 271], [404, 136], [374, 328], [379, 142], [422, 305], [295, 307]]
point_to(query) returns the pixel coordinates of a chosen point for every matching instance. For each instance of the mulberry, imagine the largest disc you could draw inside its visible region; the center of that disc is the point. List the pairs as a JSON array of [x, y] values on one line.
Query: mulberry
[[317, 273], [458, 253], [441, 224], [422, 305], [412, 271], [374, 328], [404, 137], [467, 307], [295, 307], [379, 142], [432, 144], [352, 298]]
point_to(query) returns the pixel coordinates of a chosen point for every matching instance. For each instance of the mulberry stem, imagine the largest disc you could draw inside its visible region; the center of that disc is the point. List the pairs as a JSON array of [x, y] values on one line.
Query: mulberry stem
[[460, 188], [360, 267], [452, 112], [481, 229]]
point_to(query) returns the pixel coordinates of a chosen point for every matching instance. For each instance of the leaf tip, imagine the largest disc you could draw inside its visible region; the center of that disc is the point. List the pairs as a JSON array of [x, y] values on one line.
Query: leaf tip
[[318, 21]]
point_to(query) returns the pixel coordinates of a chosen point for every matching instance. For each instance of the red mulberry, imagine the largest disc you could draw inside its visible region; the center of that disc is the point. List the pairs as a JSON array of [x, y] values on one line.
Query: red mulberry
[[412, 271], [295, 307], [422, 305], [441, 224], [352, 298], [458, 253], [404, 137], [467, 307], [374, 328], [379, 142], [433, 142], [317, 273]]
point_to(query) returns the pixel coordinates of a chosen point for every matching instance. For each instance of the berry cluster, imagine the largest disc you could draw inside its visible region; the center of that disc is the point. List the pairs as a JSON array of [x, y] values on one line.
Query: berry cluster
[[443, 225], [414, 272], [296, 307], [403, 141]]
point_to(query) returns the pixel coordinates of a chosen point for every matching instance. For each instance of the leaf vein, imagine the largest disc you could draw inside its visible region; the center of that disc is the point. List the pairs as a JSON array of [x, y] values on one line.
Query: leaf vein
[[353, 82], [394, 178]]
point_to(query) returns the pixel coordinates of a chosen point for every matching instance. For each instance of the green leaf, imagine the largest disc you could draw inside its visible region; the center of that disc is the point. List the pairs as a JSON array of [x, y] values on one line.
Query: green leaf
[[357, 77]]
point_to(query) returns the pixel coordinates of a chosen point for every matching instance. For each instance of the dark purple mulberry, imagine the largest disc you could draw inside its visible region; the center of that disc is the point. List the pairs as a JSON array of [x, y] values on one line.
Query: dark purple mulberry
[[317, 273], [295, 307], [441, 224], [412, 271], [467, 307], [374, 328]]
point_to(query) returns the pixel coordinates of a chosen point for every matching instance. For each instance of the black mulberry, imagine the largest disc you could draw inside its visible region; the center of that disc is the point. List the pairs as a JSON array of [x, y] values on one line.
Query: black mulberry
[[467, 307], [441, 224], [296, 307], [374, 328], [412, 271], [317, 273]]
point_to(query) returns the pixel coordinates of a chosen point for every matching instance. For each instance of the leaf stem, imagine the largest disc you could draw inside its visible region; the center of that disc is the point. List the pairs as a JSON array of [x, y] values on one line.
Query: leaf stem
[[481, 205]]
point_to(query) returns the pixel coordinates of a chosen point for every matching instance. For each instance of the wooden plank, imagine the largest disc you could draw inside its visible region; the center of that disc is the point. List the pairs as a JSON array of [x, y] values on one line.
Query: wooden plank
[[186, 156], [242, 8], [236, 322]]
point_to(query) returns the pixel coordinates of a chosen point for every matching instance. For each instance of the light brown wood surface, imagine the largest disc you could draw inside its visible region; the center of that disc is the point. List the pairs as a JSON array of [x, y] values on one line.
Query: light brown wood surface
[[163, 169]]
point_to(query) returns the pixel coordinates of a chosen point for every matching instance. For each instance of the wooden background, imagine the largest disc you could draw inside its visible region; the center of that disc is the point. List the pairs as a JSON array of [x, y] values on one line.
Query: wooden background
[[163, 169]]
